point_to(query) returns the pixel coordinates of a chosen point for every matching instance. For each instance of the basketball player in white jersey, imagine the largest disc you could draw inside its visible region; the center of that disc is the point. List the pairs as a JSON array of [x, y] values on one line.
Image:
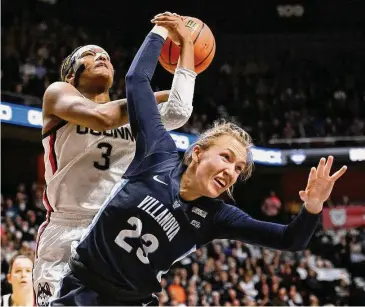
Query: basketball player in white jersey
[[20, 279], [88, 146]]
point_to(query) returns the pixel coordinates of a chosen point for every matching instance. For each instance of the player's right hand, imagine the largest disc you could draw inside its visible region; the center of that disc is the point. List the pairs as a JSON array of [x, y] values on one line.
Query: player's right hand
[[174, 23], [320, 185]]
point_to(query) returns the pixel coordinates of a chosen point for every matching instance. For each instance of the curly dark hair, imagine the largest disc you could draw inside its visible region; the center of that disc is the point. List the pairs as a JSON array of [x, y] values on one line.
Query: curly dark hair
[[66, 65]]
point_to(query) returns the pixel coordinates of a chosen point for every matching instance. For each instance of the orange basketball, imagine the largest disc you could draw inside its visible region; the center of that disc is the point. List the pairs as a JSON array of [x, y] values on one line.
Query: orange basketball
[[204, 47]]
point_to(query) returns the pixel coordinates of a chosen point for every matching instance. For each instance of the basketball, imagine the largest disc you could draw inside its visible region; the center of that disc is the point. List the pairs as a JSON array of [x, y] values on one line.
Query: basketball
[[204, 47]]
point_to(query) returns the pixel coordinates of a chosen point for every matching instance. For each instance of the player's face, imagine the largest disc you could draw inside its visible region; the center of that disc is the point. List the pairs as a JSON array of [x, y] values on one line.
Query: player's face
[[20, 276], [96, 61], [220, 166]]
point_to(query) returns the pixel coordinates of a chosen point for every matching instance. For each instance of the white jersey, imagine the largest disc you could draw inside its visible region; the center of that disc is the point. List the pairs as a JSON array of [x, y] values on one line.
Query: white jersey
[[5, 300], [83, 165]]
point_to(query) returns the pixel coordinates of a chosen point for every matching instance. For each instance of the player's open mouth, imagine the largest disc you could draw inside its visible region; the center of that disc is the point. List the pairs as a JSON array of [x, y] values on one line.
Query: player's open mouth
[[101, 64], [220, 182]]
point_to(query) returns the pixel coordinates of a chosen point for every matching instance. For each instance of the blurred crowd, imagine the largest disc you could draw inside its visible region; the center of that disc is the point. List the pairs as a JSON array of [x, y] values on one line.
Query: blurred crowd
[[287, 93], [225, 273]]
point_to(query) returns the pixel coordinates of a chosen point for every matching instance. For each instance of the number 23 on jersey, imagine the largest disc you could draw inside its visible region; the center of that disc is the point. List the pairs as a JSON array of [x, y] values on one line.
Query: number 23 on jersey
[[149, 239]]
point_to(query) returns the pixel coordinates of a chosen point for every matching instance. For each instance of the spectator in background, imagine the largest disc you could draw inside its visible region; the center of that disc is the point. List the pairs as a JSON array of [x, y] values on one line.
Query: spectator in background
[[281, 299], [295, 299], [313, 300], [20, 279], [176, 291], [163, 297], [271, 205], [264, 297]]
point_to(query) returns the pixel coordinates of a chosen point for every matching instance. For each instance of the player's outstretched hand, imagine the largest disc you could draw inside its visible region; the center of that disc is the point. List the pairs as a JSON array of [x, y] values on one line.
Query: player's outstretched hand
[[174, 23], [320, 185]]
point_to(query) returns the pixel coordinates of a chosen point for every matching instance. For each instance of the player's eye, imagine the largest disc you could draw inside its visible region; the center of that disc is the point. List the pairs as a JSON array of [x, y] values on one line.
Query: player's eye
[[106, 55], [239, 169], [87, 53], [225, 156]]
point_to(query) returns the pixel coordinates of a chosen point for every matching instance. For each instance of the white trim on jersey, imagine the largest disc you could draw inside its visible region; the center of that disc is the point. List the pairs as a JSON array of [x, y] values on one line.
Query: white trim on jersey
[[5, 300], [159, 274]]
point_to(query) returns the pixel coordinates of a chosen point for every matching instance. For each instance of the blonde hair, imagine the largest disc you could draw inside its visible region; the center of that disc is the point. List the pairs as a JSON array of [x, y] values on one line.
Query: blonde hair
[[221, 128]]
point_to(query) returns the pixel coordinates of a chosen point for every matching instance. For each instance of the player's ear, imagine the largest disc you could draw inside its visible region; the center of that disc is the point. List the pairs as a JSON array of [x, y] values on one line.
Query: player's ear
[[70, 78], [196, 153], [8, 276]]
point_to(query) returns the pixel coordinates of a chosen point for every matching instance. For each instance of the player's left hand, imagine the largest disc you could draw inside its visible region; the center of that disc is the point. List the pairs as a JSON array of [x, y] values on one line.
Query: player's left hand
[[174, 23], [320, 185]]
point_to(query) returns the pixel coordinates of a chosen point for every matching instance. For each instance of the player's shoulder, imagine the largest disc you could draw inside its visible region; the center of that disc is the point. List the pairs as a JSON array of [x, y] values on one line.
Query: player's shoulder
[[162, 167], [52, 94], [57, 92], [213, 205], [224, 211], [57, 87]]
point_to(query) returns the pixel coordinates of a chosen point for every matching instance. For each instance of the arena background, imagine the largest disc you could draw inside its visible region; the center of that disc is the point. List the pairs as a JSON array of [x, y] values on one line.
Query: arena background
[[290, 72]]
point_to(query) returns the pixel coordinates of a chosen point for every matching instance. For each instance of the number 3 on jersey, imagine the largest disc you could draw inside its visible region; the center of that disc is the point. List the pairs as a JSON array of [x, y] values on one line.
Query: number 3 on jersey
[[148, 238], [106, 150]]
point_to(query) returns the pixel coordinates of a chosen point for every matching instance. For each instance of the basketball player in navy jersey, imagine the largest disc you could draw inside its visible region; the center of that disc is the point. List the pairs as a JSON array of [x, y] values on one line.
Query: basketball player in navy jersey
[[165, 208]]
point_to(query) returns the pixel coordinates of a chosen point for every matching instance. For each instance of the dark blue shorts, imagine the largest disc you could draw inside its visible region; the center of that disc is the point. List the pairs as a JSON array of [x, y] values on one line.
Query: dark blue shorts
[[74, 293]]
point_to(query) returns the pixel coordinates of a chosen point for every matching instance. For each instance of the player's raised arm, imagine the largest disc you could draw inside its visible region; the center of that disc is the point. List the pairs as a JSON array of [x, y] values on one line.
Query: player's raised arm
[[235, 224], [179, 107], [63, 100], [143, 113], [177, 110]]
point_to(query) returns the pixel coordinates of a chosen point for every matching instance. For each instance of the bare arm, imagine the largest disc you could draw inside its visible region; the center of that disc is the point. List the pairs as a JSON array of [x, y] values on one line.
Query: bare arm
[[64, 101]]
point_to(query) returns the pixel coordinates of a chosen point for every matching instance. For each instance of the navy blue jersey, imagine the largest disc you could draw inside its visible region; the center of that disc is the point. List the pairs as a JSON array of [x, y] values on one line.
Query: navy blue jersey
[[144, 226]]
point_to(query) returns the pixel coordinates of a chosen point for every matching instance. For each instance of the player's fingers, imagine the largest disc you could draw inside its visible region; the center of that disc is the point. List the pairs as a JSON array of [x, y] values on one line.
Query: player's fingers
[[303, 196], [320, 168], [164, 14], [312, 175], [158, 15], [165, 18], [179, 17], [170, 25], [328, 166], [339, 173], [164, 23]]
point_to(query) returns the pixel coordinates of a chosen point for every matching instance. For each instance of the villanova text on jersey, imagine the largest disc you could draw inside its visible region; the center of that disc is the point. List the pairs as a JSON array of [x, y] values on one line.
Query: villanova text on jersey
[[121, 132], [162, 216]]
